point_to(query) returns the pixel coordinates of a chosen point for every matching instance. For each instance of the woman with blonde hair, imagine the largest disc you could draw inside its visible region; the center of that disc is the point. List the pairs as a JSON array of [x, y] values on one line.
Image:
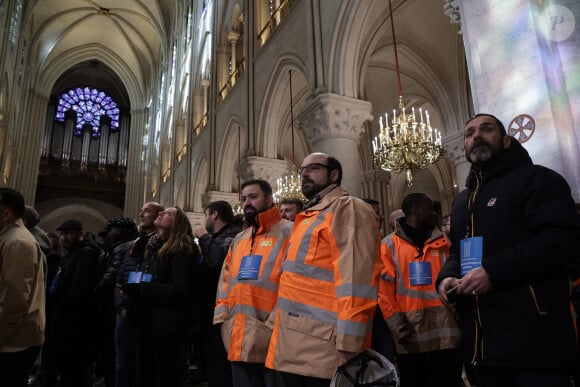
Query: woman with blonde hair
[[162, 293]]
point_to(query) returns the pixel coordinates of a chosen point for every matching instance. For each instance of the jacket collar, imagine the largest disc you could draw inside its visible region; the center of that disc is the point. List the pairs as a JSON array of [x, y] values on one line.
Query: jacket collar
[[17, 223], [325, 197], [432, 234], [267, 218], [512, 157]]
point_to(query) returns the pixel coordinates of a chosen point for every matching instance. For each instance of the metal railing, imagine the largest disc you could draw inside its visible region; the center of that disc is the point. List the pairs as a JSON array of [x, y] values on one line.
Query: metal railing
[[275, 20], [200, 125], [231, 81]]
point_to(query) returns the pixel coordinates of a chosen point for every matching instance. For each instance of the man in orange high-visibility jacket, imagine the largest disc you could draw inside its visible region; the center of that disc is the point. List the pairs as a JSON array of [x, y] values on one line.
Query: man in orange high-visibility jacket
[[425, 333], [328, 289], [248, 284]]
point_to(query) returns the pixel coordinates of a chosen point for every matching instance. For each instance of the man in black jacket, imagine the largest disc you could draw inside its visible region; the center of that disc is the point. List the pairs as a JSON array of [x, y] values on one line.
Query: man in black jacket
[[214, 239], [70, 339], [118, 235], [125, 341], [513, 231]]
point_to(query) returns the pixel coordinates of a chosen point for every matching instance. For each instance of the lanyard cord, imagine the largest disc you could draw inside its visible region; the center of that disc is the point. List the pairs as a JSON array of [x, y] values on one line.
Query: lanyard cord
[[470, 206], [253, 239]]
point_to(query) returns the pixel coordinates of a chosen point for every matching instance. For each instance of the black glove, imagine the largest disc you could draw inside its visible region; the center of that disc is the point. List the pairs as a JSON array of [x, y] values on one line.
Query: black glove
[[131, 289]]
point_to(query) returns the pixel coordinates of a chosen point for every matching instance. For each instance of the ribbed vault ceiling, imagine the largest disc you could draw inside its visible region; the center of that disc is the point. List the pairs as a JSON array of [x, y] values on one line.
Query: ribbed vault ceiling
[[133, 33]]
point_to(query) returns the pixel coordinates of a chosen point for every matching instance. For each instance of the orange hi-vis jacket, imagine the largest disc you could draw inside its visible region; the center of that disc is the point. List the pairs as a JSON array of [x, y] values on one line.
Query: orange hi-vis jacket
[[243, 300], [328, 289], [417, 318]]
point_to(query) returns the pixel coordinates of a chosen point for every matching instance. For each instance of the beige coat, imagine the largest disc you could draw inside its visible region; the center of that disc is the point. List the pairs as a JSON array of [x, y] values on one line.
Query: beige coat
[[22, 288]]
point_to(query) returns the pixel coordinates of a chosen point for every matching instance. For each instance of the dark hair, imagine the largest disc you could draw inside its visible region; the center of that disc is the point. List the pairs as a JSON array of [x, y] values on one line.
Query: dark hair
[[299, 203], [13, 200], [497, 121], [371, 201], [332, 165], [264, 185], [412, 200], [224, 210]]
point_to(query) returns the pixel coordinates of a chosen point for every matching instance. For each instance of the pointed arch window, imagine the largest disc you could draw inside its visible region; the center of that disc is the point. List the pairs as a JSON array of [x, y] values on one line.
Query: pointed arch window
[[90, 106]]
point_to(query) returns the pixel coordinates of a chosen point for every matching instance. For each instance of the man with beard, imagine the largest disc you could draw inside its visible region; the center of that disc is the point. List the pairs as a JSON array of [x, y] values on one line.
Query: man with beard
[[248, 284], [71, 337], [214, 239], [328, 288], [512, 234]]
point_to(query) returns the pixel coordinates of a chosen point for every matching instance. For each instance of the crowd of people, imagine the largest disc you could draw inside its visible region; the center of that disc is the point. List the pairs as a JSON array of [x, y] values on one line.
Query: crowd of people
[[289, 293]]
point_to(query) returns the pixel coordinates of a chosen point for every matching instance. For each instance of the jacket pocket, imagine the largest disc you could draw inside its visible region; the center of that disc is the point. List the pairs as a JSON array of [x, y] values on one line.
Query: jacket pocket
[[309, 326], [256, 340], [226, 330]]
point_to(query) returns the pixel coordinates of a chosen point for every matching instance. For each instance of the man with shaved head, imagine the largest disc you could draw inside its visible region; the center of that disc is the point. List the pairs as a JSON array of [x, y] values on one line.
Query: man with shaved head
[[328, 288]]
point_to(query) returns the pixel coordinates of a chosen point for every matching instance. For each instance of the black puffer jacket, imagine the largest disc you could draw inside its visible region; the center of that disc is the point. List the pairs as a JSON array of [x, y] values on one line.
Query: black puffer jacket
[[165, 306], [73, 296], [526, 216], [214, 249]]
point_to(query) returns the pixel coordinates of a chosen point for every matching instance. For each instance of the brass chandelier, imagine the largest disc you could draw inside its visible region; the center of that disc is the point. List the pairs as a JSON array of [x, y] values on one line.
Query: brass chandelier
[[290, 186], [405, 143]]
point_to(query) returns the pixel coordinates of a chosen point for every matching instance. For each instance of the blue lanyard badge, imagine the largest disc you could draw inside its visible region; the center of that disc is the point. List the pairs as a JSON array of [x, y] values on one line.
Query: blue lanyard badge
[[420, 273], [250, 267], [471, 253], [146, 277], [135, 277]]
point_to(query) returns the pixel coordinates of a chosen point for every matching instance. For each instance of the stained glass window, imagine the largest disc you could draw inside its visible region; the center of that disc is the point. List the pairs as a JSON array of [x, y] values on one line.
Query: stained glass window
[[90, 105]]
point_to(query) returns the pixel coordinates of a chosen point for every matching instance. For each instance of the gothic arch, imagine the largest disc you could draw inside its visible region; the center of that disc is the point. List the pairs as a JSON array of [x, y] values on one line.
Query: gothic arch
[[180, 196], [49, 74], [274, 115], [227, 165], [201, 178]]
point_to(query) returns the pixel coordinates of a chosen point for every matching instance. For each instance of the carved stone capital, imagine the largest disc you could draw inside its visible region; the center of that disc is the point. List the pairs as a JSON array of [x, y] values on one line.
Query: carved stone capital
[[212, 196], [254, 167], [376, 176], [334, 116], [451, 9], [233, 37], [454, 149]]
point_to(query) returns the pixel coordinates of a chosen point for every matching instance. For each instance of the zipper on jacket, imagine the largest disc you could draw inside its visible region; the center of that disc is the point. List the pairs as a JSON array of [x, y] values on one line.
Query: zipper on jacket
[[478, 347], [540, 312]]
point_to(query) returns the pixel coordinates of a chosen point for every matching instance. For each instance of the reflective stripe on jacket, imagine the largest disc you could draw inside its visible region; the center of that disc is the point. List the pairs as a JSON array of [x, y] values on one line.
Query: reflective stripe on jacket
[[417, 318], [242, 305], [328, 288]]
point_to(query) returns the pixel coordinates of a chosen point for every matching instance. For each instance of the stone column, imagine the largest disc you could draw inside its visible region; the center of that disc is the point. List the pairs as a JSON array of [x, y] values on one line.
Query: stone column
[[521, 56], [223, 60], [137, 184], [233, 39], [455, 151], [333, 124], [376, 186], [28, 136]]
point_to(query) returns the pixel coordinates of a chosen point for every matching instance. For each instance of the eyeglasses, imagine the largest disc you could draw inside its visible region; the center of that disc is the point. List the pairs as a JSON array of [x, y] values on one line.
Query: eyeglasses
[[311, 168]]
